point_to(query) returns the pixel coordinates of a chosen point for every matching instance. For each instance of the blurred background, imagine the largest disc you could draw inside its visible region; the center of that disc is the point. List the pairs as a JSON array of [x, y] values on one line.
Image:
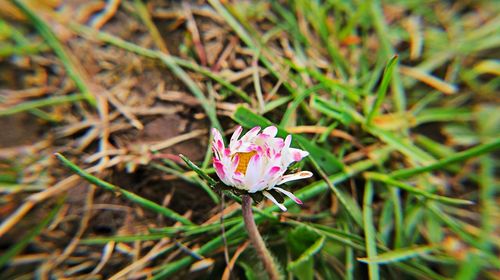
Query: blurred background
[[396, 101]]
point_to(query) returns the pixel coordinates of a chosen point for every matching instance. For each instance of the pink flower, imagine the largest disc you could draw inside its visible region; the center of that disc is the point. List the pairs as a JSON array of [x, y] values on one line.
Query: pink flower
[[257, 161]]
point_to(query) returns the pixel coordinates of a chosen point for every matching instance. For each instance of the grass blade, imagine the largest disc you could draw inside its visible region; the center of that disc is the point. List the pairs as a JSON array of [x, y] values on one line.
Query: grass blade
[[458, 157], [304, 194], [129, 195], [382, 90], [346, 200], [370, 234], [193, 87], [20, 245], [402, 145], [292, 108], [391, 182], [30, 105], [387, 50], [308, 254], [192, 180], [198, 171], [398, 255]]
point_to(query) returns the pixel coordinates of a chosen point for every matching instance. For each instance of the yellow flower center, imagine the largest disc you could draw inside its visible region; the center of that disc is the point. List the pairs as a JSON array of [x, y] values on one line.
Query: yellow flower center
[[244, 160]]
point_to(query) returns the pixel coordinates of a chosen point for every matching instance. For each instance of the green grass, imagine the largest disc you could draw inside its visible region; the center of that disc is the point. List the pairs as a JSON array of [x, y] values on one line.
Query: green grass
[[119, 191], [419, 174]]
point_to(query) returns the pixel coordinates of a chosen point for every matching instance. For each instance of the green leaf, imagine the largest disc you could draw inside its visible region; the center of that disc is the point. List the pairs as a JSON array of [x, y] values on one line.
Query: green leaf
[[306, 243], [403, 145], [345, 199], [391, 182], [338, 236], [414, 216], [456, 157], [273, 104], [35, 104], [398, 255], [369, 227], [443, 115], [488, 122], [198, 171], [248, 271], [382, 90], [386, 223], [453, 224], [332, 110], [460, 134], [303, 269], [434, 228], [125, 238], [294, 105], [350, 92], [470, 271]]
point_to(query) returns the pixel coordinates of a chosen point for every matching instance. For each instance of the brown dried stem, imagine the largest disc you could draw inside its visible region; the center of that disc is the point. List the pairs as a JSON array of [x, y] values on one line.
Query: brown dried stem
[[256, 239]]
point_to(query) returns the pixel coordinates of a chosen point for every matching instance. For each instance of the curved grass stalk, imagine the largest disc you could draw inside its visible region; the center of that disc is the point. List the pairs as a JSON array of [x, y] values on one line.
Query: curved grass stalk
[[256, 239]]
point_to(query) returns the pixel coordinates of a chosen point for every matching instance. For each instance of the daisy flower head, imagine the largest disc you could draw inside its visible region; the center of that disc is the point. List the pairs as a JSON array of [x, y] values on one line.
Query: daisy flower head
[[257, 162]]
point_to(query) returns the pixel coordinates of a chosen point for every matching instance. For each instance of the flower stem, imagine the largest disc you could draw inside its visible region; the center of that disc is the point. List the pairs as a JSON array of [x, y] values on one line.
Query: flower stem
[[256, 239]]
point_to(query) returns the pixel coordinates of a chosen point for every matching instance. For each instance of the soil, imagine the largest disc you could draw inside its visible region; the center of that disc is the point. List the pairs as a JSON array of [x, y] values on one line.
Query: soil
[[135, 83]]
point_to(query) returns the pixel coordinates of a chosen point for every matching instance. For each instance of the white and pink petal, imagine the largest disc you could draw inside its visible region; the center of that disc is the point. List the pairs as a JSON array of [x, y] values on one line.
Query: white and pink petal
[[219, 168], [295, 176], [236, 134], [297, 154], [270, 131], [253, 172], [265, 168], [251, 134], [270, 197], [289, 194]]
